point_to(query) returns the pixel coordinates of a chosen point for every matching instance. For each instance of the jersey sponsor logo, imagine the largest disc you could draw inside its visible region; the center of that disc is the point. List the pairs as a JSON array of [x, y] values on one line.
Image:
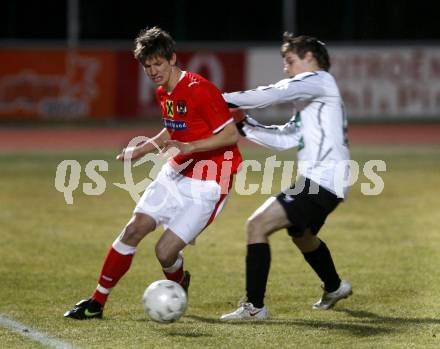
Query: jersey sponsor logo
[[176, 125], [169, 105], [181, 107], [298, 124]]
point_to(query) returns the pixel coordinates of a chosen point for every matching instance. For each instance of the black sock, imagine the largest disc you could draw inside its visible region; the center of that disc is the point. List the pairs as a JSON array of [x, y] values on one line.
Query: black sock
[[322, 263], [257, 271]]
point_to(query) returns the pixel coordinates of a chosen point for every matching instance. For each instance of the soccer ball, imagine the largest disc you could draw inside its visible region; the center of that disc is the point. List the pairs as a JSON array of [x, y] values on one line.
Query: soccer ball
[[164, 301]]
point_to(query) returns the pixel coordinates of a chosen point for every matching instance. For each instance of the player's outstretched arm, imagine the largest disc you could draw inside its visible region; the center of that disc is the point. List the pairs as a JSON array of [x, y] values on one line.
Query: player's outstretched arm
[[276, 137], [227, 136], [145, 147], [284, 91]]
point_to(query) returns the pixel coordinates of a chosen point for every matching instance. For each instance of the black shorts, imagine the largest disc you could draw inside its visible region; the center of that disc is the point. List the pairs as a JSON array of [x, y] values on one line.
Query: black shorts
[[309, 208]]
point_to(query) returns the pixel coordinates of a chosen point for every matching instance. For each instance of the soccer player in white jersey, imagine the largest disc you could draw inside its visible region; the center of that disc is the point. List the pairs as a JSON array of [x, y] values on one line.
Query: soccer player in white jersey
[[318, 131]]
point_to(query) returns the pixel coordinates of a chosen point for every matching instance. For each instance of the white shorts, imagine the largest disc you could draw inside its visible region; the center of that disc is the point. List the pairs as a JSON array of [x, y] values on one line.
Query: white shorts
[[182, 204]]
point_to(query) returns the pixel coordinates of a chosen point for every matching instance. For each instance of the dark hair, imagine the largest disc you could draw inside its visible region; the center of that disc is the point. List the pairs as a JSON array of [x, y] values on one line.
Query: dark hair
[[153, 42], [303, 44]]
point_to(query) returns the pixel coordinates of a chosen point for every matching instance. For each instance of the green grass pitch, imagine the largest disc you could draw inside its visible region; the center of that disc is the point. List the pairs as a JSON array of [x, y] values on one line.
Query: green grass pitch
[[387, 246]]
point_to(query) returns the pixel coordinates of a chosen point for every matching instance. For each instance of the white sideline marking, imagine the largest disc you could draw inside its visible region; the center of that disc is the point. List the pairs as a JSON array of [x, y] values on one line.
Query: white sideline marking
[[26, 331]]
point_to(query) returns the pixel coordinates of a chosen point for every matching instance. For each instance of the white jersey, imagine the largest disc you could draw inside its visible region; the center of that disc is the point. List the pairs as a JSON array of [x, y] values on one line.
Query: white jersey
[[317, 127]]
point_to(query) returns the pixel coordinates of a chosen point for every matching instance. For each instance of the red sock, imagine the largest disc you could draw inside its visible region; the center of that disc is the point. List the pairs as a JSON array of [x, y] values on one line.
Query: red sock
[[175, 272], [115, 266]]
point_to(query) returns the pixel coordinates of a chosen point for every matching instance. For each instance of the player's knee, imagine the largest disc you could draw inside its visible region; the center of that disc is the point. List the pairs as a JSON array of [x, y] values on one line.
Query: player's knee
[[164, 255], [130, 234], [135, 231], [255, 226]]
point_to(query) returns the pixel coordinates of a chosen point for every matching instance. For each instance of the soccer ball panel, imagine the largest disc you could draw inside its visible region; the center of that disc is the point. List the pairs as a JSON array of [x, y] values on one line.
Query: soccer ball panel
[[164, 301]]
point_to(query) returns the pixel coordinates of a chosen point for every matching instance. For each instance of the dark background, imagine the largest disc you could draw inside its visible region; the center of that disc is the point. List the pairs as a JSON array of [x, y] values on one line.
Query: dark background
[[227, 21]]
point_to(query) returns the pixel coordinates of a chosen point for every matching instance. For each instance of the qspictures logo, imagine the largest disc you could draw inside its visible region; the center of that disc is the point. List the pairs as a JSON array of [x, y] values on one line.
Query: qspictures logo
[[345, 174], [69, 172]]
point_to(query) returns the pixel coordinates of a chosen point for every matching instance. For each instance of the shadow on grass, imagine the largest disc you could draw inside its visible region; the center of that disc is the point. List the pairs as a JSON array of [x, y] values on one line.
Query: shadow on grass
[[373, 318], [365, 323], [175, 333], [355, 329]]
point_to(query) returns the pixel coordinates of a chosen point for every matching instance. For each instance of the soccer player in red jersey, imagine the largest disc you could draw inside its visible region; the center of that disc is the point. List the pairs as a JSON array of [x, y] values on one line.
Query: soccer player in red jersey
[[191, 189]]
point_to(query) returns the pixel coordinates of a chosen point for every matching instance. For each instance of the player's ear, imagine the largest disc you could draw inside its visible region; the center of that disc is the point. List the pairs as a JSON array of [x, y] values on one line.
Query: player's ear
[[309, 56], [173, 59]]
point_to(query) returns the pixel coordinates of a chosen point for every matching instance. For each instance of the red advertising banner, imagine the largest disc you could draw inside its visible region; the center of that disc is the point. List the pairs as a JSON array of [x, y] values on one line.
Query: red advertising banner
[[54, 84]]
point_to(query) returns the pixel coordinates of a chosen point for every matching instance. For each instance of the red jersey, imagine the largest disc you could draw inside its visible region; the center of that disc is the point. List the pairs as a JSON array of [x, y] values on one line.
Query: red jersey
[[195, 110]]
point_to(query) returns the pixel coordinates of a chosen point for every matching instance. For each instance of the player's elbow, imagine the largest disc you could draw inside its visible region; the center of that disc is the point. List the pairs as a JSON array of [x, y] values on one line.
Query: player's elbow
[[234, 135], [230, 134]]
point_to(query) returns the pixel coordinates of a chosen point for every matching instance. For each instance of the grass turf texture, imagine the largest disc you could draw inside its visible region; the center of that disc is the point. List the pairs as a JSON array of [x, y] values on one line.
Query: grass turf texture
[[387, 246]]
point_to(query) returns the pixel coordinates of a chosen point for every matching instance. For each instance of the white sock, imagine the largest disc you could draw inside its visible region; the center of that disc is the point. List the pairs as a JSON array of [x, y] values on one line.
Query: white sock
[[176, 266], [123, 248]]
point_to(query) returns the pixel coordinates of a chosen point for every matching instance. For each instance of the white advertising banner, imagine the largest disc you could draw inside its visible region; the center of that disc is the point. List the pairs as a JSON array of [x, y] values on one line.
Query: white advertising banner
[[386, 83]]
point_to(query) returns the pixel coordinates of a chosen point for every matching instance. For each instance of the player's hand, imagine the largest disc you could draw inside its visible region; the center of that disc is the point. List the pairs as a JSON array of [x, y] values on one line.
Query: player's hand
[[130, 153], [171, 146]]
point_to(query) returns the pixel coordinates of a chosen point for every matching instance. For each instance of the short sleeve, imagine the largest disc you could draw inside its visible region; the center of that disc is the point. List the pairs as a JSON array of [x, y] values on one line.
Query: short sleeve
[[211, 105]]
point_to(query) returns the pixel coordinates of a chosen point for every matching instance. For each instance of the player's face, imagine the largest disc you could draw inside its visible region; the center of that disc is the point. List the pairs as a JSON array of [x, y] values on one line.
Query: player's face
[[294, 65], [160, 70]]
